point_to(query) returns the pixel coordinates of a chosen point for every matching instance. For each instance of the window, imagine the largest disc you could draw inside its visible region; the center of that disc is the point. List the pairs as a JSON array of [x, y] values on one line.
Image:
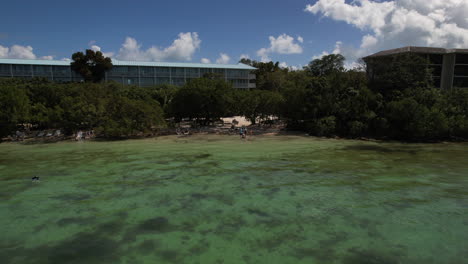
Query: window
[[220, 73], [118, 71], [461, 70], [133, 71], [237, 74], [178, 81], [192, 72], [163, 80], [147, 71], [461, 58], [61, 71], [162, 71], [461, 82], [42, 70], [21, 70], [131, 81], [435, 58], [177, 72], [204, 71], [5, 69], [146, 81]]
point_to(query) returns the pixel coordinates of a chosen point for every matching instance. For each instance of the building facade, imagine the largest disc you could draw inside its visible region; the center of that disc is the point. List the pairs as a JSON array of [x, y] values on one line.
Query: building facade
[[132, 72], [449, 66]]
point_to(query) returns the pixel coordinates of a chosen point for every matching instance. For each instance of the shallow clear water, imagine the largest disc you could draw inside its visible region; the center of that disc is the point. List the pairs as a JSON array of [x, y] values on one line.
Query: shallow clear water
[[217, 199]]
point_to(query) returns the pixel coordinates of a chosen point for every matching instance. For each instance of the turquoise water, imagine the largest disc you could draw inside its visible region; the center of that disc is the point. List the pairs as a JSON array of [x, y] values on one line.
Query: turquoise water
[[217, 199]]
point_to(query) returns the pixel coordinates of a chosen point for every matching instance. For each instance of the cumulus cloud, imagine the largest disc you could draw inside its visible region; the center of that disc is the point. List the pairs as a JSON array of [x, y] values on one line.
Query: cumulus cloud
[[300, 39], [181, 49], [205, 60], [284, 65], [47, 58], [396, 23], [20, 52], [223, 59], [97, 48], [336, 50], [283, 44], [17, 52]]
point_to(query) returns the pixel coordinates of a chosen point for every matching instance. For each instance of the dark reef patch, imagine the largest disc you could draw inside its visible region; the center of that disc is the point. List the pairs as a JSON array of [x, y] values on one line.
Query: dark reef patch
[[156, 224], [376, 148], [257, 212], [70, 197], [75, 220], [359, 256]]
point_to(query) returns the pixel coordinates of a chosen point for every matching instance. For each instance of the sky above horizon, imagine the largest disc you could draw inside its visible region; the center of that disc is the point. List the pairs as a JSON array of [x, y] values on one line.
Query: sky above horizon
[[208, 31]]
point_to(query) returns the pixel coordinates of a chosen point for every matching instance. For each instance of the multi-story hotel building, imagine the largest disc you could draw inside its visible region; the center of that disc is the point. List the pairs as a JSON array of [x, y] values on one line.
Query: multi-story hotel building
[[132, 72]]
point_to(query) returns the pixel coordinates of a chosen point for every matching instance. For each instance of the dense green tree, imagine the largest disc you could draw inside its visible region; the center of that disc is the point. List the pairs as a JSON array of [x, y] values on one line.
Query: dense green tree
[[202, 99], [391, 75], [91, 65], [14, 108], [259, 104], [326, 65]]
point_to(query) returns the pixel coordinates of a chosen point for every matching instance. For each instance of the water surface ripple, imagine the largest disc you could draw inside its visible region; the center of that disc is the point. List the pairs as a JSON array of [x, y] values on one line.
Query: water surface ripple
[[217, 199]]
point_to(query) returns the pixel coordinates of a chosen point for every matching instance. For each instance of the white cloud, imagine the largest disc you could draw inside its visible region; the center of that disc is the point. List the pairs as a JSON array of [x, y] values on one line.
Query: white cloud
[[336, 50], [284, 65], [283, 44], [223, 59], [20, 52], [95, 48], [300, 39], [396, 23], [65, 59], [3, 51], [205, 60], [181, 49], [47, 58]]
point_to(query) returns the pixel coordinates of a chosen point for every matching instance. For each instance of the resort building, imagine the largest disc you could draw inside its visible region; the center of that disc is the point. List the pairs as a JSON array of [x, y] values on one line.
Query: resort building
[[132, 72], [449, 66]]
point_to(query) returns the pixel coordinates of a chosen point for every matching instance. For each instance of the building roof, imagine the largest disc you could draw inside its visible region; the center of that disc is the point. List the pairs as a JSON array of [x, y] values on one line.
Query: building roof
[[426, 50], [239, 66]]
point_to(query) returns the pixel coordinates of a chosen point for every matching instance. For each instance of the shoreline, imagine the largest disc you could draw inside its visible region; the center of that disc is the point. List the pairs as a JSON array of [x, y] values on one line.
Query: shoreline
[[211, 131]]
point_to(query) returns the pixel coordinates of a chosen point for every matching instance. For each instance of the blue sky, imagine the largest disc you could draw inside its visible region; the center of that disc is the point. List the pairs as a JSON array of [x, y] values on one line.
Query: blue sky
[[193, 30]]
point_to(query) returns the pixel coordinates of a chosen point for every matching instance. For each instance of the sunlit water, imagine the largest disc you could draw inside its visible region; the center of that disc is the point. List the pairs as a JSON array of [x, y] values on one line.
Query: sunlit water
[[218, 199]]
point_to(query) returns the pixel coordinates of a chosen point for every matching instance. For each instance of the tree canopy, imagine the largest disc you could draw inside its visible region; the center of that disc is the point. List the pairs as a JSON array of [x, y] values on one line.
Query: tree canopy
[[91, 65], [326, 65]]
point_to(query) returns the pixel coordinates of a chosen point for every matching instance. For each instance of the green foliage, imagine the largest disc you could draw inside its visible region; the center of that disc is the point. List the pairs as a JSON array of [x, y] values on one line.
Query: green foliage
[[204, 100], [14, 108], [393, 74], [113, 110], [91, 65], [324, 99], [326, 65], [258, 104]]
